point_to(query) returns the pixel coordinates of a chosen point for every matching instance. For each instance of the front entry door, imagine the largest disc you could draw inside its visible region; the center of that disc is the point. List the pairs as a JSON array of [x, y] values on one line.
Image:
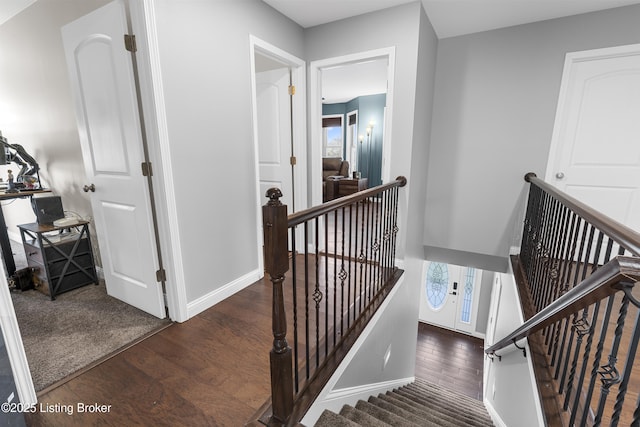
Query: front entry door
[[101, 74], [449, 296], [595, 152]]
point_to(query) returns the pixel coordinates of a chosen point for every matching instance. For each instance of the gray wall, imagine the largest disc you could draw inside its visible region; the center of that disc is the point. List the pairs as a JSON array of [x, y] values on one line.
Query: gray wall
[[393, 27], [510, 387], [205, 65], [407, 28], [495, 104]]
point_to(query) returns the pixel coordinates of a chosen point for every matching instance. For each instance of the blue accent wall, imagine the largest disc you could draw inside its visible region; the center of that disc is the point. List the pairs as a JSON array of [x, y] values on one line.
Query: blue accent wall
[[370, 109]]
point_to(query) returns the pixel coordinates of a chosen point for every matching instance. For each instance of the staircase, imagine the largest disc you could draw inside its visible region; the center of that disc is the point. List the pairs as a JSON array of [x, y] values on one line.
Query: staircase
[[417, 404]]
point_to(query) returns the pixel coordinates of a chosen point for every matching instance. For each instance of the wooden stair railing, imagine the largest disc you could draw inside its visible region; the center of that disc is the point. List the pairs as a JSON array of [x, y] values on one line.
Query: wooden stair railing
[[340, 275], [577, 273]]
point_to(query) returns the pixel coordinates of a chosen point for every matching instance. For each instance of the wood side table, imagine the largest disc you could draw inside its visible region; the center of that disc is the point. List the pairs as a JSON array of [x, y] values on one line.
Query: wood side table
[[348, 186], [62, 262]]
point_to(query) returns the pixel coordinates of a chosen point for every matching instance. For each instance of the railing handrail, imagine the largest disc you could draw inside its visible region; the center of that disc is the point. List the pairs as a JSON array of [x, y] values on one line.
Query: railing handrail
[[601, 284], [316, 211], [625, 236]]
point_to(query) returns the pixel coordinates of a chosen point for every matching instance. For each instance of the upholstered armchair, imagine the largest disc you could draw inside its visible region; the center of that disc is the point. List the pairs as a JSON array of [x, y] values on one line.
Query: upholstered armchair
[[333, 168]]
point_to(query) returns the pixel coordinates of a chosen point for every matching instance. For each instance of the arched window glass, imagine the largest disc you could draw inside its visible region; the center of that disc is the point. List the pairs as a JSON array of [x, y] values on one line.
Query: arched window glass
[[437, 284]]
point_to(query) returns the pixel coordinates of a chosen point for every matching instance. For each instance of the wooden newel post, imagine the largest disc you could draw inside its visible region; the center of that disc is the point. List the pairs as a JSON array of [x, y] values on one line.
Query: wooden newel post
[[275, 226]]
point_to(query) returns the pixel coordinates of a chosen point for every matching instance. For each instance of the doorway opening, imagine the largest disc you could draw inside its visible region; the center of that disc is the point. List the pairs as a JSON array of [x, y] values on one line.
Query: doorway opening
[[367, 109], [450, 295], [279, 128]]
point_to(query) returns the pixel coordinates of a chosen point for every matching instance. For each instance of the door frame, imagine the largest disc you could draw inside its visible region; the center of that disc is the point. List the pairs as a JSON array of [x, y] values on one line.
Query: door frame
[[571, 59], [315, 102], [299, 129], [461, 280], [143, 25]]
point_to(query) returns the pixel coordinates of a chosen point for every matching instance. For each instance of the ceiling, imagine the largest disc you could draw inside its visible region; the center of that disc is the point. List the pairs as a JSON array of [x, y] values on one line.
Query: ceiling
[[10, 8], [448, 17]]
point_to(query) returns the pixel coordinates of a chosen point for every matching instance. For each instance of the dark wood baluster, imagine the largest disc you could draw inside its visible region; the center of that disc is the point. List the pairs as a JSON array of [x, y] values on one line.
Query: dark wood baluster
[[579, 329], [393, 218], [294, 290], [306, 299], [564, 280], [631, 356], [275, 228], [596, 359], [335, 269], [326, 276], [317, 294], [585, 359], [539, 251], [609, 374], [377, 246], [566, 322], [342, 284], [555, 266]]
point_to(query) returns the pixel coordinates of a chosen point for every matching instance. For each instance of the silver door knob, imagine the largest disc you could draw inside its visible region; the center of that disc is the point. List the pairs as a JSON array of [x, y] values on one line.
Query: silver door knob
[[559, 175], [88, 188]]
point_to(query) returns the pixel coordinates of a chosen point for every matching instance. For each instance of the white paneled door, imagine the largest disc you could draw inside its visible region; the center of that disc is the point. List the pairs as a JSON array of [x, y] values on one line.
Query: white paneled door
[[274, 132], [595, 152], [102, 79]]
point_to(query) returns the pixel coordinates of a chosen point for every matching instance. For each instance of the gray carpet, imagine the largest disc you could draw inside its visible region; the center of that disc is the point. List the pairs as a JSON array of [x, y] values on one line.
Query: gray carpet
[[76, 330], [80, 327], [414, 405]]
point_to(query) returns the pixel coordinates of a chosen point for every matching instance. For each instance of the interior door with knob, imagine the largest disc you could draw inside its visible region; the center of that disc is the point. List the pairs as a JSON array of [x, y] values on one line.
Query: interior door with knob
[[101, 76], [449, 296], [595, 151]]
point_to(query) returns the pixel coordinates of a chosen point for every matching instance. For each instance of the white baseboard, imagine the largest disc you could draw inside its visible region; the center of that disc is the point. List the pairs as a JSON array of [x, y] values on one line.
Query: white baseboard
[[217, 295]]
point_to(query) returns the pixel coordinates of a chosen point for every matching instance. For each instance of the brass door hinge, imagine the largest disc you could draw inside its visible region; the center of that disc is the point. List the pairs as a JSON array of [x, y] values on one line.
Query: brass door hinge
[[146, 169], [293, 160], [292, 90], [130, 42], [161, 275]]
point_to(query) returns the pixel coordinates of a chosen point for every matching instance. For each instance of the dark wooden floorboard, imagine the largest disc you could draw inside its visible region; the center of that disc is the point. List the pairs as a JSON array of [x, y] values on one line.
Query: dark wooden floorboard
[[450, 359], [213, 370]]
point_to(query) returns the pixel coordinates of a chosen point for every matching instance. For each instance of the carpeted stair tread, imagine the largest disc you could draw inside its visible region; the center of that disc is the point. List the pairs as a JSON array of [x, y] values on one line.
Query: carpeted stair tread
[[428, 387], [431, 405], [397, 410], [429, 414], [431, 400], [361, 418], [384, 415], [441, 411], [416, 404], [471, 406], [331, 419]]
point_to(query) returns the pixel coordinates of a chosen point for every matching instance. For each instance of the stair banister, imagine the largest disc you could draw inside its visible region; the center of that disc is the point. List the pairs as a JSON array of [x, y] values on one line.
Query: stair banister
[[367, 221], [622, 234], [605, 281]]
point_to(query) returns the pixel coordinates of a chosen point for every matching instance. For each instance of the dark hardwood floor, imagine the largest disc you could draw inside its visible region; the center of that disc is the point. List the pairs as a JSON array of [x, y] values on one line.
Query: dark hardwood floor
[[450, 359], [213, 370]]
